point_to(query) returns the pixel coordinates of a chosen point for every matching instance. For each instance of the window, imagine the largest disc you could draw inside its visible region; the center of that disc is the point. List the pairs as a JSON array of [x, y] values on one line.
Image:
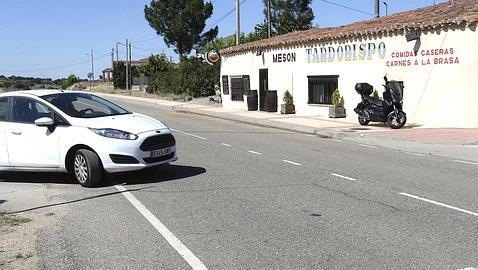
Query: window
[[3, 109], [84, 105], [27, 110], [321, 88], [225, 85], [240, 86]]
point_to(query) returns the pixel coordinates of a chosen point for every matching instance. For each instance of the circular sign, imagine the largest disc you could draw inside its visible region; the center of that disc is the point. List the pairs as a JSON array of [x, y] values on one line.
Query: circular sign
[[212, 56]]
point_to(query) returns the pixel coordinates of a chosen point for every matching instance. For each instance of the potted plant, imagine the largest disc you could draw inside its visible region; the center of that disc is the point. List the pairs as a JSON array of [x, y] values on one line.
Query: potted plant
[[337, 110], [288, 106]]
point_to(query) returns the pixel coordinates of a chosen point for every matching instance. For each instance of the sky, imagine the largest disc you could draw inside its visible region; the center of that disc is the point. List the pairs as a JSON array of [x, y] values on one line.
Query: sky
[[53, 38]]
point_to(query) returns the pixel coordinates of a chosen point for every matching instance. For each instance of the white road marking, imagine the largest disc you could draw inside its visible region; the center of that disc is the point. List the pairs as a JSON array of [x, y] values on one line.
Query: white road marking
[[189, 134], [225, 144], [369, 146], [292, 162], [336, 140], [254, 152], [465, 162], [440, 204], [188, 256], [469, 268], [344, 177], [414, 154]]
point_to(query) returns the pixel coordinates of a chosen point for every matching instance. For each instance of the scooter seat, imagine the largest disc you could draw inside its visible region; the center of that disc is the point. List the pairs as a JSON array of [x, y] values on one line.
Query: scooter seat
[[374, 101]]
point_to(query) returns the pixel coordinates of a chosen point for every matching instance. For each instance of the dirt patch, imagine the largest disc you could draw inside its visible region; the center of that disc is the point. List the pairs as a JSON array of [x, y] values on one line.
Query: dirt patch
[[17, 241]]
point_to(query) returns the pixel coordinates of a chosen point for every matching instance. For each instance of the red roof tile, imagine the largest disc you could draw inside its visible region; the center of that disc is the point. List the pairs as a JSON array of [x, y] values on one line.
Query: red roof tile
[[454, 12]]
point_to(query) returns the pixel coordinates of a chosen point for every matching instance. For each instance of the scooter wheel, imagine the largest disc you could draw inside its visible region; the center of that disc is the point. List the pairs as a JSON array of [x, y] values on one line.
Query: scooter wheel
[[363, 121], [396, 122]]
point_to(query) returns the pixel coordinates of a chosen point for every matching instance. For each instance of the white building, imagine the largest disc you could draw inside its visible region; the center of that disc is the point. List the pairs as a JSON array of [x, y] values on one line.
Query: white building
[[439, 68]]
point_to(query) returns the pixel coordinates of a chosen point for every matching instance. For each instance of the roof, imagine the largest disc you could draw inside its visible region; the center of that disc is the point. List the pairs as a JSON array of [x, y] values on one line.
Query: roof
[[107, 70], [455, 12]]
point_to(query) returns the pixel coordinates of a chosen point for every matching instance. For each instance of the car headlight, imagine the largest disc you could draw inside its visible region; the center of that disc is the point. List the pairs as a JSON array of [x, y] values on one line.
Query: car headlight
[[114, 133]]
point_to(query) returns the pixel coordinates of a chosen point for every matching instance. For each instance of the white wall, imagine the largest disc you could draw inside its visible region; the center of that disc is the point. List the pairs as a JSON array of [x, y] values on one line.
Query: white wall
[[435, 95]]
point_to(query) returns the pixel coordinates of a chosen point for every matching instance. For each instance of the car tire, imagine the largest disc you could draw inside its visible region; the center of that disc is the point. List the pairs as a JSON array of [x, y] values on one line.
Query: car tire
[[87, 168]]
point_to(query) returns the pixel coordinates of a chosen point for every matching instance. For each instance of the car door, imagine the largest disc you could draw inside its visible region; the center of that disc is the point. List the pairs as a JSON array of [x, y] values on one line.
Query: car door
[[30, 145], [3, 125]]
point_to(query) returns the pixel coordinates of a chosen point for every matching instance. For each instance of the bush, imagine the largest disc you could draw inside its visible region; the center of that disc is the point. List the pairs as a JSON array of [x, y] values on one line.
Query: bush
[[288, 98], [375, 94], [336, 98], [190, 77]]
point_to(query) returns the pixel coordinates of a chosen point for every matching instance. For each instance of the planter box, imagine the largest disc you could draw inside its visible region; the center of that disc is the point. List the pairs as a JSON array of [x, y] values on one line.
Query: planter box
[[337, 112], [287, 109]]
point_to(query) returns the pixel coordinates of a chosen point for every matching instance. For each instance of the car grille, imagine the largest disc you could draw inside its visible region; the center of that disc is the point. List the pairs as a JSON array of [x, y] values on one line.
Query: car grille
[[158, 142], [158, 159], [120, 159]]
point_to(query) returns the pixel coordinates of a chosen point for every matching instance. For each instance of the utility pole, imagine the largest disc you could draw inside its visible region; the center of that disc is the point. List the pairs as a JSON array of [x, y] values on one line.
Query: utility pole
[[238, 21], [117, 51], [130, 73], [112, 60], [92, 83], [386, 8], [127, 75], [377, 8], [269, 24]]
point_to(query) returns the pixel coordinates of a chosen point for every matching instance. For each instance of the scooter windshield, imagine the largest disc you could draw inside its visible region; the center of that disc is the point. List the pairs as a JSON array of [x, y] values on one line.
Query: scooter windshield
[[396, 91]]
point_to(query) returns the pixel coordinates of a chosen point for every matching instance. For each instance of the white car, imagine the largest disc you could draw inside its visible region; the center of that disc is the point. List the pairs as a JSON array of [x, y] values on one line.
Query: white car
[[77, 132]]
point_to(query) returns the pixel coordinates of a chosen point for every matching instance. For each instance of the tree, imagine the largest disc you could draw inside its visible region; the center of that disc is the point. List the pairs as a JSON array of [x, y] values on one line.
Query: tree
[[288, 16], [156, 63], [181, 23], [119, 75], [72, 79]]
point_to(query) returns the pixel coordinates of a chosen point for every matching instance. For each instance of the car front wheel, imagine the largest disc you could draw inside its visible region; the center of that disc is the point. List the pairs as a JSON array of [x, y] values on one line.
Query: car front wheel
[[87, 168]]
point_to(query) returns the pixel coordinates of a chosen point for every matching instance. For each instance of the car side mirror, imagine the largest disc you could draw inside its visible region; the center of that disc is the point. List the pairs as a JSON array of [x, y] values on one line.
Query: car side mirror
[[44, 122]]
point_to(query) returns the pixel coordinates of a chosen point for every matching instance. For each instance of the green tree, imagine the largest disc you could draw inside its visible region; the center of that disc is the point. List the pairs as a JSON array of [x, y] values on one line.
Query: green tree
[[181, 23], [288, 16], [156, 63], [72, 79], [119, 75]]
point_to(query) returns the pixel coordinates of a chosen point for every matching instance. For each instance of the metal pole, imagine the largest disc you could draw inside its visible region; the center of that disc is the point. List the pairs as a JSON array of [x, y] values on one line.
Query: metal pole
[[117, 52], [129, 66], [377, 8], [238, 21], [269, 24], [386, 8], [127, 75], [92, 70]]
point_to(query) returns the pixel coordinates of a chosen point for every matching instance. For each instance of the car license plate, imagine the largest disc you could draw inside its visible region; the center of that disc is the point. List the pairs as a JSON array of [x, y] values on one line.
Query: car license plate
[[162, 152]]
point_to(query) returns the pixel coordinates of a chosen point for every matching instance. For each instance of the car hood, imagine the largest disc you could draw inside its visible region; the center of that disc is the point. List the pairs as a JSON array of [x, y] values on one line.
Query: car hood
[[133, 123]]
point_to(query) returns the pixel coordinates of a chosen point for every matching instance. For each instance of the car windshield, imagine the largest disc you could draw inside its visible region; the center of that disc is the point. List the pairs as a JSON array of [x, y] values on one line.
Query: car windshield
[[83, 105]]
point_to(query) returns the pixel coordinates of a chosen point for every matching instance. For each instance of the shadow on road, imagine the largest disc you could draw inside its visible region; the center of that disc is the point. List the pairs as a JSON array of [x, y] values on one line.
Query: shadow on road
[[163, 173]]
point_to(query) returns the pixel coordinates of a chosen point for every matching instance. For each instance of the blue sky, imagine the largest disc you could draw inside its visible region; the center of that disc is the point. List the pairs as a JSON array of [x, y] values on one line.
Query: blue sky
[[51, 38]]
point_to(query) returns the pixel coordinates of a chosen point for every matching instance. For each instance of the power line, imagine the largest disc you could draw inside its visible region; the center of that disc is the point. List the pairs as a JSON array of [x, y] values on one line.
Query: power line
[[346, 7], [57, 67], [227, 14], [149, 49]]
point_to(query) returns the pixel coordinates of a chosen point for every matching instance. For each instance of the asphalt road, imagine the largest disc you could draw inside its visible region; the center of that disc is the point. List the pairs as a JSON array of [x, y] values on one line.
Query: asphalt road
[[246, 197]]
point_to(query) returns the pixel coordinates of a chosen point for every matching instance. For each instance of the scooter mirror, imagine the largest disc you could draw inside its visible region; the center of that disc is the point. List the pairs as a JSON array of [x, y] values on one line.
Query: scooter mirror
[[385, 78]]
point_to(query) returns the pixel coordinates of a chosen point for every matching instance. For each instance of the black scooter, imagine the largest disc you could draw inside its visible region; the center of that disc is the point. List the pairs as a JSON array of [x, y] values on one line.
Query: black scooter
[[388, 110]]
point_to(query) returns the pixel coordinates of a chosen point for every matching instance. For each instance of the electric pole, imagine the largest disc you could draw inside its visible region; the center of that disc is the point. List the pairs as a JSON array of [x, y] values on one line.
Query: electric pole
[[269, 25], [130, 73], [112, 59], [127, 75], [92, 83], [117, 51], [238, 21], [377, 8]]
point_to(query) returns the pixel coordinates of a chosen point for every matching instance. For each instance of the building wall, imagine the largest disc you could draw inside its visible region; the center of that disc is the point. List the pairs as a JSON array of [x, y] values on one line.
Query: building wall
[[437, 93]]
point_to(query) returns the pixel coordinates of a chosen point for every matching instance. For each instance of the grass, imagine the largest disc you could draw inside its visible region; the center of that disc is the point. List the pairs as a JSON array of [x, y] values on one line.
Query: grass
[[12, 220], [25, 256]]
